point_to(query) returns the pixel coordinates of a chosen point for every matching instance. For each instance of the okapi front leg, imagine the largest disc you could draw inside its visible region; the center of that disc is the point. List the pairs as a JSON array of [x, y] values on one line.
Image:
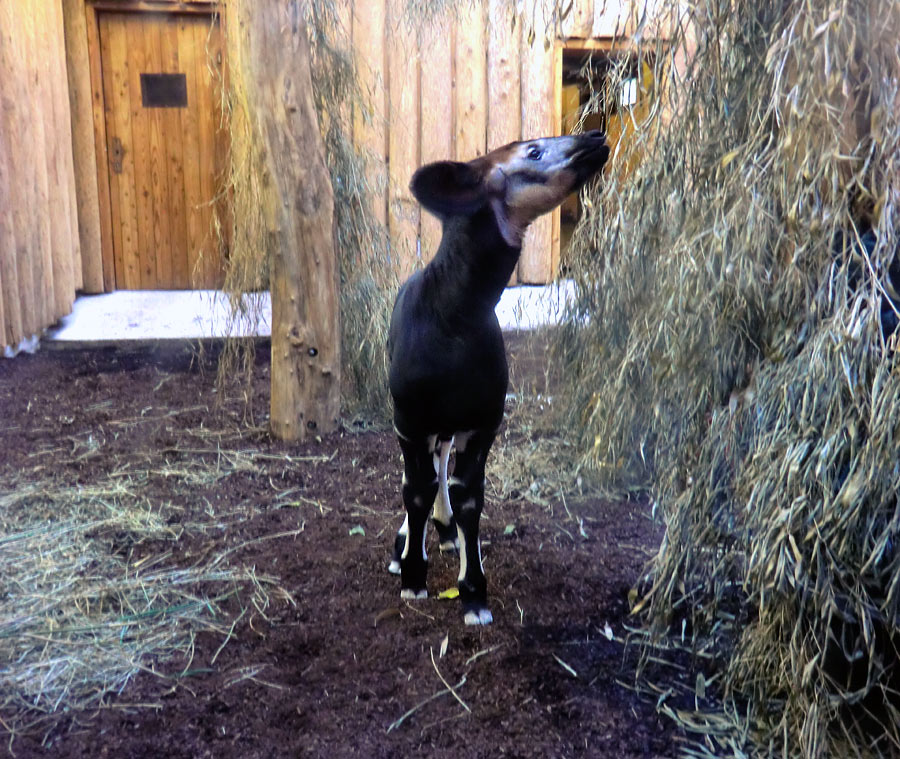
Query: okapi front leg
[[467, 500], [419, 489]]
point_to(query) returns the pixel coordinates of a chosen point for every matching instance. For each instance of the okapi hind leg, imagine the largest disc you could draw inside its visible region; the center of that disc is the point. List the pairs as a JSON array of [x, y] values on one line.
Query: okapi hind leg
[[442, 515], [420, 487]]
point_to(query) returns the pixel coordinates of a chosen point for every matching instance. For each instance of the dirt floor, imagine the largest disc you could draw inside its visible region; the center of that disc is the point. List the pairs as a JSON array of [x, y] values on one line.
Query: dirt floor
[[335, 660]]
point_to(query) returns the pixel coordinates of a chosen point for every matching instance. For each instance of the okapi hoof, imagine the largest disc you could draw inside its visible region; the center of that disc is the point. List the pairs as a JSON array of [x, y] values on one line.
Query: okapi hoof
[[480, 616], [394, 567], [409, 594]]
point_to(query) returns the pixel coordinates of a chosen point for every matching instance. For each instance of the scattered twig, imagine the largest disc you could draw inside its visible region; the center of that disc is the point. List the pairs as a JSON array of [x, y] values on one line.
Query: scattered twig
[[428, 700], [444, 681]]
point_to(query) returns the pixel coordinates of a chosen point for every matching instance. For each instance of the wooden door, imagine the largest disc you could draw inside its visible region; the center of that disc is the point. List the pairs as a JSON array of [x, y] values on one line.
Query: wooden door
[[161, 77]]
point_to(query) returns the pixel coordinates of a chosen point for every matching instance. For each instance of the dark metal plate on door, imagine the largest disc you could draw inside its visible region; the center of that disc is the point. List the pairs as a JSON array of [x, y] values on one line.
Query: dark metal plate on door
[[164, 90]]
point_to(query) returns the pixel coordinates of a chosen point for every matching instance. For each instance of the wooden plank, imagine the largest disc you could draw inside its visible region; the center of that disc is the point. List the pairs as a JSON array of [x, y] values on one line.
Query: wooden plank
[[40, 122], [163, 6], [63, 118], [504, 117], [207, 264], [436, 123], [369, 124], [471, 80], [58, 265], [78, 66], [10, 199], [178, 275], [504, 111], [63, 115], [190, 60], [403, 141], [128, 229], [161, 210], [535, 263], [14, 99], [138, 147], [614, 20], [222, 144], [101, 155], [580, 20]]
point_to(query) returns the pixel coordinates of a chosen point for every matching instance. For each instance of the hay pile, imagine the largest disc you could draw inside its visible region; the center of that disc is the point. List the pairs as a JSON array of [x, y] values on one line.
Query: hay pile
[[78, 619], [733, 349]]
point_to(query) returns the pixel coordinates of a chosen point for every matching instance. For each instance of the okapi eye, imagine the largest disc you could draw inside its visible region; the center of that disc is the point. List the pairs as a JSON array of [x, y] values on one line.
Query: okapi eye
[[534, 153]]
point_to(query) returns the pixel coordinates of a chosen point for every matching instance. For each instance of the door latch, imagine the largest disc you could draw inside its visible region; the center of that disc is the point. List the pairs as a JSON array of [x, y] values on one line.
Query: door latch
[[116, 155]]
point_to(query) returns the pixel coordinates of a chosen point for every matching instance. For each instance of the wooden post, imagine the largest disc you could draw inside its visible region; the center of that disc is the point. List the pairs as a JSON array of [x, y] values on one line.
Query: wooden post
[[306, 334], [85, 160]]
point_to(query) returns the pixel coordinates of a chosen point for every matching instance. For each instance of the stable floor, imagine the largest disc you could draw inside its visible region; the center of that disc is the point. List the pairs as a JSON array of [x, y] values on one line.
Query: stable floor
[[163, 315]]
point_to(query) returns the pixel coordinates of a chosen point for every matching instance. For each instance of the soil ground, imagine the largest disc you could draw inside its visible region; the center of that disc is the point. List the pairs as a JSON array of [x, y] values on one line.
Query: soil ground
[[336, 658]]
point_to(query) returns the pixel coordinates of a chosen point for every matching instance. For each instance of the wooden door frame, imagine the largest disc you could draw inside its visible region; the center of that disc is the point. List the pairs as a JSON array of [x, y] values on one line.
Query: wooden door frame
[[608, 46], [92, 10]]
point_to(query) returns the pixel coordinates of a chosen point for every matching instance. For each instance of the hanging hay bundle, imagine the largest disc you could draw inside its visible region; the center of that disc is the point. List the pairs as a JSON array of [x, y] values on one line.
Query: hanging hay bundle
[[734, 349], [367, 280]]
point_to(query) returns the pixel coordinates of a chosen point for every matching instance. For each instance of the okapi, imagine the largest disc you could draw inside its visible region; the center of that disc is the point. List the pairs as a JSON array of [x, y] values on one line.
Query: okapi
[[448, 371]]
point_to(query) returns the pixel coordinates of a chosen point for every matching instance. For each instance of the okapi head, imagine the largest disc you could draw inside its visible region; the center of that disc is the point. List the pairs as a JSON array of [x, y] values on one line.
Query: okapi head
[[519, 181]]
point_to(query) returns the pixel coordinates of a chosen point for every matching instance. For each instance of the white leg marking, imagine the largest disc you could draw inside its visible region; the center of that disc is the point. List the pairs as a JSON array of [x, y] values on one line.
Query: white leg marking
[[462, 553], [412, 595], [462, 440], [443, 511], [482, 617], [394, 566]]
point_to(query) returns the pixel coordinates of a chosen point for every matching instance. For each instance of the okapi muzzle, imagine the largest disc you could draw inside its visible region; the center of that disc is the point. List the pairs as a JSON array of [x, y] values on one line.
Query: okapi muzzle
[[448, 372]]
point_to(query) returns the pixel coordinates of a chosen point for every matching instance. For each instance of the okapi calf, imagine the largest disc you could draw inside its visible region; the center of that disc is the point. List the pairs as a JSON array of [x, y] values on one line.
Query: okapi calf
[[448, 371]]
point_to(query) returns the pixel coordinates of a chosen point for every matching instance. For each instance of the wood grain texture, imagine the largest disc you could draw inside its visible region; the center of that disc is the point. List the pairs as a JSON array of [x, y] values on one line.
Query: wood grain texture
[[178, 259], [206, 264], [306, 336], [163, 201], [580, 20], [87, 196], [69, 255], [535, 264], [12, 290], [123, 205], [369, 120], [101, 154], [504, 84], [471, 80], [39, 135], [403, 143], [436, 123], [504, 81]]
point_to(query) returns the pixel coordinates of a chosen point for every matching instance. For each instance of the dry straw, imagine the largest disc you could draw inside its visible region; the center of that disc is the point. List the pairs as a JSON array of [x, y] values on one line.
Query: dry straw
[[79, 619], [731, 350]]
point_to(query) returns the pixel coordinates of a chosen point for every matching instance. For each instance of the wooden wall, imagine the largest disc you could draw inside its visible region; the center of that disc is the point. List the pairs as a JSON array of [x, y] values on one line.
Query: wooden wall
[[39, 244], [456, 87]]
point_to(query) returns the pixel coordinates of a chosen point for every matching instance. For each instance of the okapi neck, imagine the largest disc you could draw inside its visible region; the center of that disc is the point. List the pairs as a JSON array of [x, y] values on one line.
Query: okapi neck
[[474, 262]]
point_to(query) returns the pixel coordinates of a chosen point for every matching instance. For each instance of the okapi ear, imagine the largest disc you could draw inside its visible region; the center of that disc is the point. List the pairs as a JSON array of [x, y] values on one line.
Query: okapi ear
[[449, 188]]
